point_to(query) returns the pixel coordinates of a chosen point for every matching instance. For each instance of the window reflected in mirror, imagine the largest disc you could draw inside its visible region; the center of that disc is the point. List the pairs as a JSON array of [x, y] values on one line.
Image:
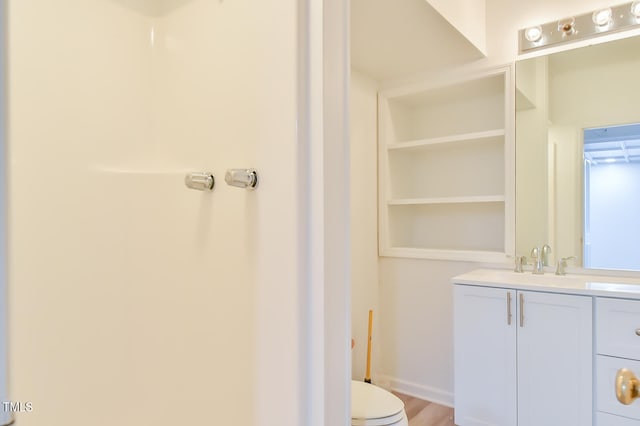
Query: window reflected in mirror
[[612, 197]]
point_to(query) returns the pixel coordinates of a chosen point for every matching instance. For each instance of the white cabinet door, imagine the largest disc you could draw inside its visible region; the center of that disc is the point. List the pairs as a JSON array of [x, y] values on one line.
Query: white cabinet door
[[554, 359], [484, 356]]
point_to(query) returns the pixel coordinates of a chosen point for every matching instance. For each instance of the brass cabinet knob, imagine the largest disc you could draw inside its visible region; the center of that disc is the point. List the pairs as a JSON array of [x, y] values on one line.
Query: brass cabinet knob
[[627, 385]]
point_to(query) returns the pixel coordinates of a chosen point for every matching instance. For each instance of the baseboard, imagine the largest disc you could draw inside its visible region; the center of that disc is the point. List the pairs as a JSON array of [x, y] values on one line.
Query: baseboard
[[416, 390]]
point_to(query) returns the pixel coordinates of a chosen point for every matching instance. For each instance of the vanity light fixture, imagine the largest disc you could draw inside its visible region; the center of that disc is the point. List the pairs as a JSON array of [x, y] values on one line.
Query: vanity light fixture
[[580, 27], [602, 17]]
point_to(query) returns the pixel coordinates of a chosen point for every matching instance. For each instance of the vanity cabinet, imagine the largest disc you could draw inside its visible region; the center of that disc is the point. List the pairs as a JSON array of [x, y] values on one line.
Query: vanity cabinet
[[522, 357], [445, 161]]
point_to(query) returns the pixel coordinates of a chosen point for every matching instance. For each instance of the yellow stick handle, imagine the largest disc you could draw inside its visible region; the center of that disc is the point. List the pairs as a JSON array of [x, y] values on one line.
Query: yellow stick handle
[[368, 374]]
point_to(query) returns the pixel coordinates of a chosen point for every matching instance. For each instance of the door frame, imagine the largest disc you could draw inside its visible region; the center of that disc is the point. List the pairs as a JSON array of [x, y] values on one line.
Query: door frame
[[324, 70]]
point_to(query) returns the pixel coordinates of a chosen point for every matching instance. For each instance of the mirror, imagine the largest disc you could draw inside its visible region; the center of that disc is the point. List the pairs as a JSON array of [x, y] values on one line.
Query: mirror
[[560, 98]]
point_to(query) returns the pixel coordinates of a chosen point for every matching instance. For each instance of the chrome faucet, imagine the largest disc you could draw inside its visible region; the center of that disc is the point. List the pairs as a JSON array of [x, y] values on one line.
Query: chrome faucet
[[562, 263], [546, 250], [538, 266], [520, 261]]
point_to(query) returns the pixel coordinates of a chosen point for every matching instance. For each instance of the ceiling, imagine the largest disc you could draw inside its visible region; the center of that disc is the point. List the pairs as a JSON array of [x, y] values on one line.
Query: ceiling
[[397, 38], [613, 144]]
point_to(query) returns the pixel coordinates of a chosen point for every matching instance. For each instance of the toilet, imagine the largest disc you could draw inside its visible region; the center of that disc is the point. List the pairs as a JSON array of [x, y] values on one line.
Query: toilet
[[374, 406]]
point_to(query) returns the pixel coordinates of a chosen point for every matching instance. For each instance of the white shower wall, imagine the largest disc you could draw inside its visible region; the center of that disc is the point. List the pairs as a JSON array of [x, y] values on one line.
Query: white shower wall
[[134, 300]]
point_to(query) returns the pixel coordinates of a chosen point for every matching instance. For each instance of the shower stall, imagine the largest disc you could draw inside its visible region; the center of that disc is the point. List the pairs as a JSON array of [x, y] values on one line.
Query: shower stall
[[133, 299]]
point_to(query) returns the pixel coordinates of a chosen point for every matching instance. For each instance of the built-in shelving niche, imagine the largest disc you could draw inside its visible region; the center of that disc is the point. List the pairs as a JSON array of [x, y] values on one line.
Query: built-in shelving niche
[[444, 154]]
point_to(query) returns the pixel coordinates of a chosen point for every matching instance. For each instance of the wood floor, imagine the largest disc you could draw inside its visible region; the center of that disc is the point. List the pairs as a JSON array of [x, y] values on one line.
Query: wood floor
[[424, 413]]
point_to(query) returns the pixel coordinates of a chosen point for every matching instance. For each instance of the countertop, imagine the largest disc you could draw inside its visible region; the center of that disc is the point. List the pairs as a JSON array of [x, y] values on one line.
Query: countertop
[[588, 285]]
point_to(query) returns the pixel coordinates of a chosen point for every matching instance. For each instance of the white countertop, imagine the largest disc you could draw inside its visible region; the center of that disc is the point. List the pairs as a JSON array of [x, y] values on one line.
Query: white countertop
[[589, 285]]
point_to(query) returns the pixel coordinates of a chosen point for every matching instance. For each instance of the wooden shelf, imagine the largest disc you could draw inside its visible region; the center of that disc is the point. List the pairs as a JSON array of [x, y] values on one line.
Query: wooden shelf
[[447, 200], [466, 137]]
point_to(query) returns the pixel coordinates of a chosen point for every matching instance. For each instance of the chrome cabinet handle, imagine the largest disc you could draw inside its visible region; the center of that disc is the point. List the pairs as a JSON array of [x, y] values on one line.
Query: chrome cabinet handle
[[242, 178], [637, 331], [199, 181], [626, 386], [521, 310], [508, 308]]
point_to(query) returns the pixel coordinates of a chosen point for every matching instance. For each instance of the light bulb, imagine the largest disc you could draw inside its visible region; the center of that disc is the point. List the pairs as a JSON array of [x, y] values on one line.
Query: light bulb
[[533, 34], [602, 17], [635, 9]]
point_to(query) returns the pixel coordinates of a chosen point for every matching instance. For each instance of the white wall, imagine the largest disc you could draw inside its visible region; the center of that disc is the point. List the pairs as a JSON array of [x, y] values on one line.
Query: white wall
[[504, 19], [417, 329], [364, 224], [415, 296], [134, 300], [467, 16]]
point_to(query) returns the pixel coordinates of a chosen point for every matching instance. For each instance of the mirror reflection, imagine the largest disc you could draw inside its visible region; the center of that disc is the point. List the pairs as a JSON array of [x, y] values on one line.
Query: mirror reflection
[[612, 197], [578, 155]]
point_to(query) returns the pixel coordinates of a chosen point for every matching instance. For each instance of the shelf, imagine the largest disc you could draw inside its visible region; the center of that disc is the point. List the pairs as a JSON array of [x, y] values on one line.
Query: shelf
[[459, 255], [446, 200], [466, 137]]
